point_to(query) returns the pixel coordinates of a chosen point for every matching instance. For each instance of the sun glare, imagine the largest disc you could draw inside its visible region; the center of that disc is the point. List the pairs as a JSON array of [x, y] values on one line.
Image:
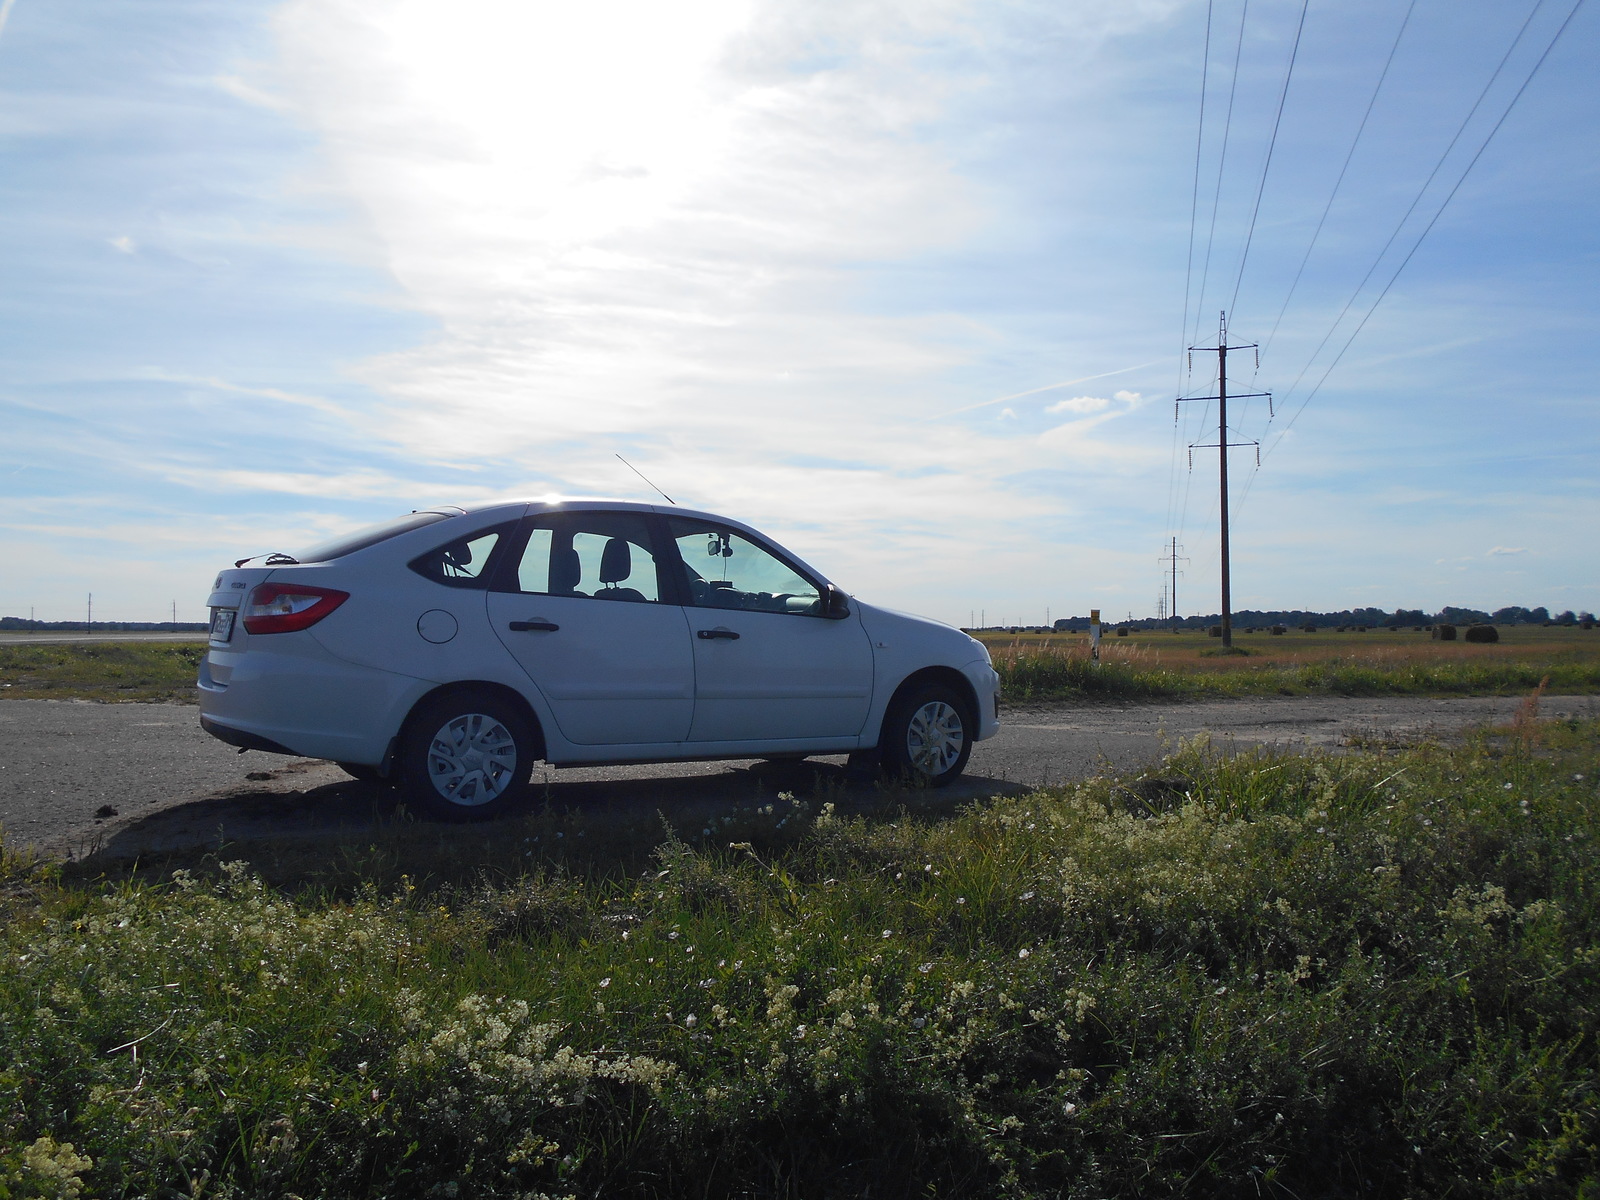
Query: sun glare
[[579, 118]]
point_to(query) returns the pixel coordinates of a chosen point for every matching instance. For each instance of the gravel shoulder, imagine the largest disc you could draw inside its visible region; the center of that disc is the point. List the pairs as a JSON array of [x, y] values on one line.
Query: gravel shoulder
[[127, 779]]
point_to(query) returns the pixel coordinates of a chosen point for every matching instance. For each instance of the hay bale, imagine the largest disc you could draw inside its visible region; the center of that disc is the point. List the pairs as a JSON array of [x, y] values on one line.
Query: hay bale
[[1279, 630], [1122, 631], [1308, 627], [1444, 633], [1482, 633], [1214, 631]]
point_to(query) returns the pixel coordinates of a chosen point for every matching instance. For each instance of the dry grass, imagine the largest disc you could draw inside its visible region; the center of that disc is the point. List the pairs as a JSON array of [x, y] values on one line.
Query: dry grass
[[1376, 647], [1164, 664]]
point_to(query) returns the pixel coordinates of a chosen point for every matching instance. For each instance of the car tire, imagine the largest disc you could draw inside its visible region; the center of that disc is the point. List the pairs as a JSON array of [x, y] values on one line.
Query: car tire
[[361, 771], [466, 757], [927, 736]]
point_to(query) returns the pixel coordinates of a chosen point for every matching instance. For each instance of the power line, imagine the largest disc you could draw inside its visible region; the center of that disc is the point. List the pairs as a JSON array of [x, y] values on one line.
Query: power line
[[1337, 183], [1573, 12], [1422, 191], [1222, 162], [1266, 166], [1188, 272]]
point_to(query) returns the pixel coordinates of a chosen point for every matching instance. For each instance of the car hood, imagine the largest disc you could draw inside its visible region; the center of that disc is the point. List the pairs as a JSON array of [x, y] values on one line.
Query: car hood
[[882, 623]]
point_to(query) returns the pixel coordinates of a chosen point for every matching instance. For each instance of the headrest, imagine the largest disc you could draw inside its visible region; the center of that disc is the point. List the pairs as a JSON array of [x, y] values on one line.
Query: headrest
[[616, 562], [565, 571]]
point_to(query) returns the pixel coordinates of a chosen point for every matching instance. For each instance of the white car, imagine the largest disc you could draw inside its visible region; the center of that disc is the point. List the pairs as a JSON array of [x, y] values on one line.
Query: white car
[[450, 649]]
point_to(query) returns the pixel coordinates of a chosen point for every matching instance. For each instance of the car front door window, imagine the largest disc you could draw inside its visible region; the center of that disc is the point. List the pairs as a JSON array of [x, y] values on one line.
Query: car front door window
[[724, 569], [768, 667]]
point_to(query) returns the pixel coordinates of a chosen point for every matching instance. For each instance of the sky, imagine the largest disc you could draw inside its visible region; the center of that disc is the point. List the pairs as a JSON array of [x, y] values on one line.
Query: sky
[[906, 284]]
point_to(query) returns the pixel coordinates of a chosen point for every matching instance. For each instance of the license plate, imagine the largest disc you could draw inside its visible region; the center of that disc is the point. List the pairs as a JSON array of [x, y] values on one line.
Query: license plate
[[222, 623]]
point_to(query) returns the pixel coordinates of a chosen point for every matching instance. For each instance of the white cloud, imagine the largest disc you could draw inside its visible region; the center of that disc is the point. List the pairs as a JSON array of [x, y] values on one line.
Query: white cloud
[[1499, 551], [627, 219], [1079, 404], [124, 243], [641, 231], [1083, 405]]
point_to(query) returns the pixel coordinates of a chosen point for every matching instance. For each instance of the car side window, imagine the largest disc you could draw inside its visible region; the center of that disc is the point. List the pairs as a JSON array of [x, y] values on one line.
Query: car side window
[[462, 563], [725, 569], [593, 555]]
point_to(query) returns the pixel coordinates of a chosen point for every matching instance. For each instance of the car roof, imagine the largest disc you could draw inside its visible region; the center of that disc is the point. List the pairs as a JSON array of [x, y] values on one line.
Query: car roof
[[510, 507], [551, 503]]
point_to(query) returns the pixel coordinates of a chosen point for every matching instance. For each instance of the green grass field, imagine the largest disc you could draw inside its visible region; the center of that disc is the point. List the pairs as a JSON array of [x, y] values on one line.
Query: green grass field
[[1307, 976], [1378, 662], [1032, 667], [153, 671]]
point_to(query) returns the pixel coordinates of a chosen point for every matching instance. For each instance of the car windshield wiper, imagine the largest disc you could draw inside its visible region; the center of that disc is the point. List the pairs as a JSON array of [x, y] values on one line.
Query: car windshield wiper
[[276, 559]]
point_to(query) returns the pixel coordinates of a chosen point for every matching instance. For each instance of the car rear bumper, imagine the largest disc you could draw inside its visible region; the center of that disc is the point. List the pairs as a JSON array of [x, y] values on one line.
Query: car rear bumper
[[242, 738], [296, 698]]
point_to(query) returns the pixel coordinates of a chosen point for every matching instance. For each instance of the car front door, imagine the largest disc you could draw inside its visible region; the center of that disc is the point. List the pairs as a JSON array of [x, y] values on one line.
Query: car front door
[[768, 665], [583, 610]]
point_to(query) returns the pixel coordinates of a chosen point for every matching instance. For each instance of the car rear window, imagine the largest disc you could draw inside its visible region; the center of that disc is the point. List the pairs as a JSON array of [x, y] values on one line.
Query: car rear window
[[465, 562], [370, 536]]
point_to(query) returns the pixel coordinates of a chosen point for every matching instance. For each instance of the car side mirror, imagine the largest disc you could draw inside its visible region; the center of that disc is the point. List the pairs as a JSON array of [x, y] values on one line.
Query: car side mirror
[[835, 604]]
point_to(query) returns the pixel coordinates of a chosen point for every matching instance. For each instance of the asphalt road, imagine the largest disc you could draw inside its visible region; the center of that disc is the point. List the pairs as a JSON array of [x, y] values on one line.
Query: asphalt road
[[76, 777]]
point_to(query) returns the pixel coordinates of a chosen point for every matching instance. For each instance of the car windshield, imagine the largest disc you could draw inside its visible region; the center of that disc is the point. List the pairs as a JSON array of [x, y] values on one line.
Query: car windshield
[[370, 536]]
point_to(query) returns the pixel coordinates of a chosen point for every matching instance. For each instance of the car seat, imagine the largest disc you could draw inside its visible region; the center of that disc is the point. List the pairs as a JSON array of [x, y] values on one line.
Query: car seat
[[565, 572], [616, 564]]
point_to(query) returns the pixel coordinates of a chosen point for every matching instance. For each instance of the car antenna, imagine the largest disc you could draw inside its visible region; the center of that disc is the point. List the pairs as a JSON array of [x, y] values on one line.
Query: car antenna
[[641, 475]]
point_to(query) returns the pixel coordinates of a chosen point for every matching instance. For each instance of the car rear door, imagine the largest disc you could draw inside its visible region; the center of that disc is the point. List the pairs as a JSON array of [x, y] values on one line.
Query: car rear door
[[582, 607]]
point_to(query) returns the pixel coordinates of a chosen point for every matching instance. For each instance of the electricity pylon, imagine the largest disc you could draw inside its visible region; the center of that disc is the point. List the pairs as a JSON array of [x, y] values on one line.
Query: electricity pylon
[[1222, 446]]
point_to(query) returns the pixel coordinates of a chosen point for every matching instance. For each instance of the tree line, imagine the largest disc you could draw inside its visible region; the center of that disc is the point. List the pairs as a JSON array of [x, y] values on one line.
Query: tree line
[[1368, 618]]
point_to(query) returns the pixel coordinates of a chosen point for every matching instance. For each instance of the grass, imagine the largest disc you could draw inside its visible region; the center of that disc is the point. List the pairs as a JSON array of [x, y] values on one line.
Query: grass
[[1033, 667], [1296, 976], [151, 671], [1188, 666]]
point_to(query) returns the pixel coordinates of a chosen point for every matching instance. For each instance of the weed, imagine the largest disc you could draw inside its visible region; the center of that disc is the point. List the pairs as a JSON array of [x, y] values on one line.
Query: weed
[[1312, 975], [105, 671]]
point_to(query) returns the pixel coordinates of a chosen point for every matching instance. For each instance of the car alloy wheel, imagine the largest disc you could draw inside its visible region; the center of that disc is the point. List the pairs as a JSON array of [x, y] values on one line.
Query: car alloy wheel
[[927, 736], [467, 757], [935, 738]]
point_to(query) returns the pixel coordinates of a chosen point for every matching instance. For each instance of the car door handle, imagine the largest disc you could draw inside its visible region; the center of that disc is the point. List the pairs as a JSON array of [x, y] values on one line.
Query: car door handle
[[712, 634], [524, 626]]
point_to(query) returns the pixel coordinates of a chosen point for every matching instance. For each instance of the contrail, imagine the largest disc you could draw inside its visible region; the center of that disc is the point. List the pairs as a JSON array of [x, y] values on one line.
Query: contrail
[[1049, 387], [5, 11]]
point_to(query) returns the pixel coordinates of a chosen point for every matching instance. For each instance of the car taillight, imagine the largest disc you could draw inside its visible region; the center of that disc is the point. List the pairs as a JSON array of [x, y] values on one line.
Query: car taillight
[[288, 607]]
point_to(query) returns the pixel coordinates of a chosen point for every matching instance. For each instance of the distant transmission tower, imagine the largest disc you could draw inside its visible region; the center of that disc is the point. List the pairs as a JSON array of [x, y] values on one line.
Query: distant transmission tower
[[1174, 558], [1222, 446]]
